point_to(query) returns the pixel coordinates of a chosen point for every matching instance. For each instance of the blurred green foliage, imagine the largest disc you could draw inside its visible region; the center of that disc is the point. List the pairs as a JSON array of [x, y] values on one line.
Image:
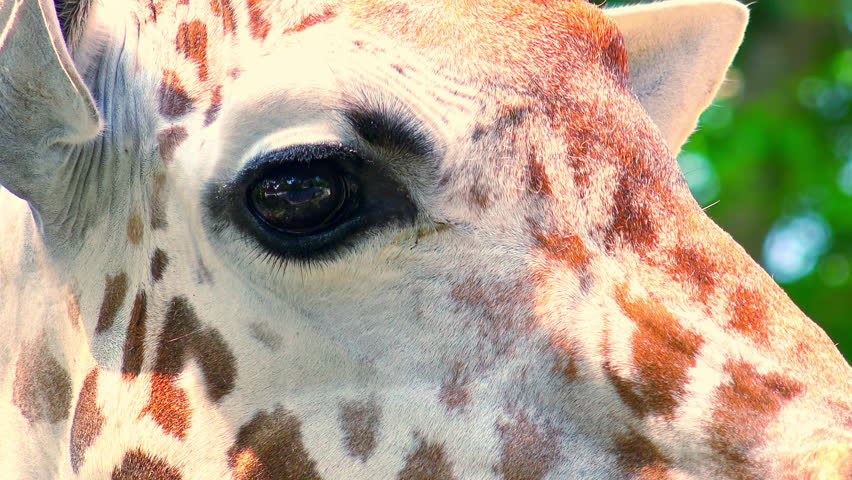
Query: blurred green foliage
[[773, 157]]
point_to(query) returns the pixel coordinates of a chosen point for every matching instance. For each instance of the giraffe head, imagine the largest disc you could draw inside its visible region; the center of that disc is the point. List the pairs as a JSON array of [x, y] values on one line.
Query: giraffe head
[[386, 239]]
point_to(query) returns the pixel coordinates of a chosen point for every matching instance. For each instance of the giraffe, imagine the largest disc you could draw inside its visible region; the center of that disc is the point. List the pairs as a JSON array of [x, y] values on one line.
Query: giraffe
[[385, 239]]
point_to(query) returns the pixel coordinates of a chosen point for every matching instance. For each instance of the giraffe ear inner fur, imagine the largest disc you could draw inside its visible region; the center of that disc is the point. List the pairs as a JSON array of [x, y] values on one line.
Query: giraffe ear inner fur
[[71, 15], [678, 53], [45, 104]]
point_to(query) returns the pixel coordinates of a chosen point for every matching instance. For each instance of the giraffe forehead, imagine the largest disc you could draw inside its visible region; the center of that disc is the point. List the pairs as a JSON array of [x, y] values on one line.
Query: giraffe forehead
[[515, 39]]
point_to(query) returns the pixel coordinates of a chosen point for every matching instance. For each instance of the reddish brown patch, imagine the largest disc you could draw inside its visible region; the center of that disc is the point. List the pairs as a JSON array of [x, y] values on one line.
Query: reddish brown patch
[[639, 457], [748, 315], [663, 352], [134, 342], [183, 336], [631, 218], [159, 262], [215, 105], [168, 141], [529, 450], [312, 20], [360, 422], [42, 387], [135, 228], [138, 465], [454, 392], [217, 363], [192, 42], [154, 7], [72, 306], [269, 447], [88, 420], [744, 408], [497, 312], [173, 99], [258, 25], [538, 183], [168, 406], [427, 462], [114, 293], [224, 9], [158, 202], [568, 249], [567, 354], [686, 265], [479, 197]]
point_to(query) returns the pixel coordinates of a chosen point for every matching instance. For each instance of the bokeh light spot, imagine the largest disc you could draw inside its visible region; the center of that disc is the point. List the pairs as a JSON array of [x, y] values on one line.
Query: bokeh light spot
[[700, 175], [794, 245]]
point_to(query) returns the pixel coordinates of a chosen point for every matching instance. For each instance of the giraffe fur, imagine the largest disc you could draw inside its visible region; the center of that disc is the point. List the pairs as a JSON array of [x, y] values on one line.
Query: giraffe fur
[[517, 284]]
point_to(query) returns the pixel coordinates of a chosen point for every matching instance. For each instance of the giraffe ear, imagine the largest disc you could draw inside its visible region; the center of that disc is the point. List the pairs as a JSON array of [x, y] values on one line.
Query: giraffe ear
[[43, 102], [678, 52]]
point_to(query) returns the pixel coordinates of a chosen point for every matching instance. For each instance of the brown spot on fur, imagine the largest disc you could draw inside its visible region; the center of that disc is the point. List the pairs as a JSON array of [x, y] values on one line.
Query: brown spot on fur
[[748, 315], [154, 10], [158, 203], [224, 9], [567, 352], [311, 20], [631, 218], [687, 265], [72, 306], [138, 465], [428, 462], [114, 293], [134, 342], [454, 392], [192, 42], [479, 197], [266, 336], [216, 361], [159, 262], [639, 457], [135, 228], [168, 406], [215, 105], [168, 140], [258, 25], [538, 183], [663, 352], [175, 339], [360, 422], [42, 387], [182, 336], [529, 451], [744, 408], [568, 249], [269, 447], [88, 420], [173, 99]]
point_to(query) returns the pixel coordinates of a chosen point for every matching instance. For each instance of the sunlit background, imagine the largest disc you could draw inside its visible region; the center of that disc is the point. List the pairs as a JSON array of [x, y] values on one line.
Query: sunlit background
[[773, 157]]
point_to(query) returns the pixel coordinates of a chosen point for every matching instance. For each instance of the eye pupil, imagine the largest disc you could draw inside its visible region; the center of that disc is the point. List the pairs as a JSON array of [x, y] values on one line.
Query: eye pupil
[[304, 199]]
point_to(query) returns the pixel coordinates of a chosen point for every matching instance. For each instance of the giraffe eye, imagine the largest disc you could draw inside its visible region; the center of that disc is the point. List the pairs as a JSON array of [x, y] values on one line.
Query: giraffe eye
[[303, 198], [309, 202]]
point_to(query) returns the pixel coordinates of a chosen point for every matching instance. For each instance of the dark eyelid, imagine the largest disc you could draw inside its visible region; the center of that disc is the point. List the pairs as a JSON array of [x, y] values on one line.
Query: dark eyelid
[[390, 129]]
